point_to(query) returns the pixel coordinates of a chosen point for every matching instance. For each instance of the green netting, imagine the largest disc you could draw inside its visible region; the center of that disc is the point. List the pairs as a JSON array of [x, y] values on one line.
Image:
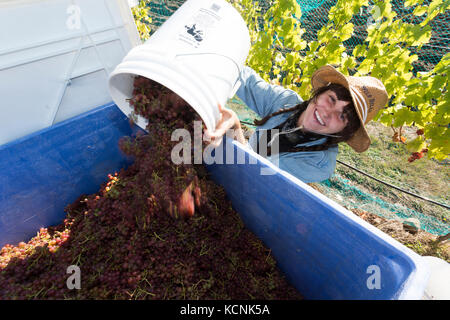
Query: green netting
[[314, 17], [160, 10], [308, 5], [352, 197], [429, 55]]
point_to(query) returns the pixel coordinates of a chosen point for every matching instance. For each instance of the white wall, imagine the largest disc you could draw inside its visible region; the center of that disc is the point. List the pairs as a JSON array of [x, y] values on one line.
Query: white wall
[[55, 59]]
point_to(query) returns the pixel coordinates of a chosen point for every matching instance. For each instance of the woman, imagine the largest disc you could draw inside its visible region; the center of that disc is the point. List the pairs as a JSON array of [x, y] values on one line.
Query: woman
[[308, 131]]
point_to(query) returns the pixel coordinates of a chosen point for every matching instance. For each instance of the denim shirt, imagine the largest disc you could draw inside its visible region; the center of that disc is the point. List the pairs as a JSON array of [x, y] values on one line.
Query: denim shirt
[[264, 99]]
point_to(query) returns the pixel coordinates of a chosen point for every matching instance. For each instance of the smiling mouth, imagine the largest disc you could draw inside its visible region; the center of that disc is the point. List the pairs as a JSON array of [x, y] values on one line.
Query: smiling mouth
[[318, 118]]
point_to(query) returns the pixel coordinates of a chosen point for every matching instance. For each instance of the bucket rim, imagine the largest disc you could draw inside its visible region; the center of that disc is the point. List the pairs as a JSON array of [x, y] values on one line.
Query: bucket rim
[[182, 83]]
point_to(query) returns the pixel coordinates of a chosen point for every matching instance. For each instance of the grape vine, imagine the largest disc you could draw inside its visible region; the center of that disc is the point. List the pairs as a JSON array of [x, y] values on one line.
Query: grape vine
[[142, 20], [418, 99]]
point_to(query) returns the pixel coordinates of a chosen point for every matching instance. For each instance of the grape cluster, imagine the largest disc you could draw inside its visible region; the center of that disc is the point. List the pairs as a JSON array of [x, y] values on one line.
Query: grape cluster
[[417, 155], [154, 230]]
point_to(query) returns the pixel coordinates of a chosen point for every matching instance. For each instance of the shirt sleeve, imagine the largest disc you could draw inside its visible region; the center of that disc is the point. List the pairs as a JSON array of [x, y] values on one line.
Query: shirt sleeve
[[314, 166], [263, 97]]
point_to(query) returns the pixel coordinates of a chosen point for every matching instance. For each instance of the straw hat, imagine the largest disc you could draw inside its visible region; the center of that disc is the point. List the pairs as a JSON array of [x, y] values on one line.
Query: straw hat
[[369, 96]]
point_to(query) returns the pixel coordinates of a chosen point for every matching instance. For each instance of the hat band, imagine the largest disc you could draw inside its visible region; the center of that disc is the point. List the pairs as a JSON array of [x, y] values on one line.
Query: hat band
[[362, 103]]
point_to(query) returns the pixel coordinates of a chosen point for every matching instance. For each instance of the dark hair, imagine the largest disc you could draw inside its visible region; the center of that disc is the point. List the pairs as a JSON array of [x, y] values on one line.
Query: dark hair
[[342, 94]]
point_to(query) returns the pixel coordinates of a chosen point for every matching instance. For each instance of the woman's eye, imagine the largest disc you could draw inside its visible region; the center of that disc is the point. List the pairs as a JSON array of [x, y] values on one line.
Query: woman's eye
[[333, 100]]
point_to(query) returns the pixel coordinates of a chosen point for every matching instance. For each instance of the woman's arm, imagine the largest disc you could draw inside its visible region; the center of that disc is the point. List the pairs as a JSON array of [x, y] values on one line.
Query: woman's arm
[[258, 95], [262, 97]]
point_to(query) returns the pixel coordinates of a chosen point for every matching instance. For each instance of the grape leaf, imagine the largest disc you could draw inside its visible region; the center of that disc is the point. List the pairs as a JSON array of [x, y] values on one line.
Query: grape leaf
[[418, 11]]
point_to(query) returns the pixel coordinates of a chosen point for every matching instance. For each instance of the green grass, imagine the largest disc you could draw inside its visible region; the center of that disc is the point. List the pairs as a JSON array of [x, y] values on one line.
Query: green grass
[[388, 161]]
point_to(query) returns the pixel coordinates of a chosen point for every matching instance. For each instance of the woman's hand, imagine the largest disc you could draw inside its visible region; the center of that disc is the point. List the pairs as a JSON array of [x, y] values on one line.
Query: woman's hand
[[228, 120]]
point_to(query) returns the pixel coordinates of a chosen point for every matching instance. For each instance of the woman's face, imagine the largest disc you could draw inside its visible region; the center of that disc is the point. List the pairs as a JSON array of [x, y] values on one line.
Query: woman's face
[[325, 115]]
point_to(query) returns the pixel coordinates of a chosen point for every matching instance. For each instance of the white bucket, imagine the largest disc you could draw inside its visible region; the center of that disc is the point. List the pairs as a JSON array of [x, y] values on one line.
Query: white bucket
[[197, 53]]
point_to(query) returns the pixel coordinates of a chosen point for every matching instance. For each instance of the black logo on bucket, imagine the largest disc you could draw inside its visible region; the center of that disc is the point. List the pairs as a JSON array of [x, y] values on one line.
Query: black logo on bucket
[[197, 34]]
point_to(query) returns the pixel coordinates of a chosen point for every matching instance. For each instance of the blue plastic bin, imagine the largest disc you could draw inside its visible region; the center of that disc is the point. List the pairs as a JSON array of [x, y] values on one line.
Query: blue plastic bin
[[325, 251]]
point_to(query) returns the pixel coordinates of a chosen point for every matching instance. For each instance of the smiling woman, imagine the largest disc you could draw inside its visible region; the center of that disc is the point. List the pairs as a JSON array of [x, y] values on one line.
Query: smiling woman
[[302, 136]]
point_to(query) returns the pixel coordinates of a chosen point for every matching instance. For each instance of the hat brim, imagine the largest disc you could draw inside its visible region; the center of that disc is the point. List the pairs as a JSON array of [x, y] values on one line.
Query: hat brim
[[360, 141]]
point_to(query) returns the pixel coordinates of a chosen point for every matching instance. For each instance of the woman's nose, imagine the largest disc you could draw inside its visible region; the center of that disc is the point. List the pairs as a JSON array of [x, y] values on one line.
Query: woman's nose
[[328, 110]]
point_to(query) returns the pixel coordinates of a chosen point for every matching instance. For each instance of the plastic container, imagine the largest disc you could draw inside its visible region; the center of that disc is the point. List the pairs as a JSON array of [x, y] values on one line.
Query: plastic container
[[45, 171], [325, 251], [197, 53], [56, 57]]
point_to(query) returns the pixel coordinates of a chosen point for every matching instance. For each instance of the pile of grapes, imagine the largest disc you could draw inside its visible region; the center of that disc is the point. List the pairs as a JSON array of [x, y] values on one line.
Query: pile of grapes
[[155, 230]]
